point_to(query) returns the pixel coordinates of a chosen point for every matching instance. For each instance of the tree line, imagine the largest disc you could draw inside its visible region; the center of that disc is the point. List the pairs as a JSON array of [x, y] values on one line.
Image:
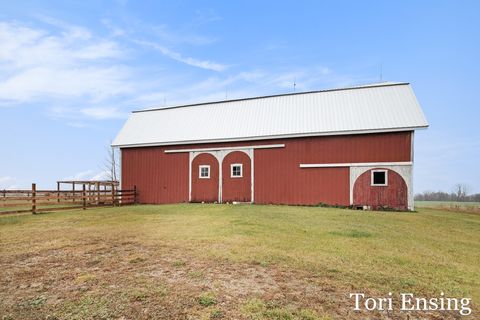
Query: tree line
[[460, 193]]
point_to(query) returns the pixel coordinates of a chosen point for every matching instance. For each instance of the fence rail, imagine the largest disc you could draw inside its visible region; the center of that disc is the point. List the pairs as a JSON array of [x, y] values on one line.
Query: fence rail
[[36, 201]]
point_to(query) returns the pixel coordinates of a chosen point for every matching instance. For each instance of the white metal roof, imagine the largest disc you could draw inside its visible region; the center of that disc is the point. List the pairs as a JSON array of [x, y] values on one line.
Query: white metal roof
[[372, 108]]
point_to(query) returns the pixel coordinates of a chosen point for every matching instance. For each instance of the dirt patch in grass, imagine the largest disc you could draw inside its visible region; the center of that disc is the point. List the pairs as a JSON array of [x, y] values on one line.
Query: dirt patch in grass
[[105, 280]]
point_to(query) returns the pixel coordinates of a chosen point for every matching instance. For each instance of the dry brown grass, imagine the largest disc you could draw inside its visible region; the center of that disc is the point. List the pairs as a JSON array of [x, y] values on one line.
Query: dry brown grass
[[197, 262]]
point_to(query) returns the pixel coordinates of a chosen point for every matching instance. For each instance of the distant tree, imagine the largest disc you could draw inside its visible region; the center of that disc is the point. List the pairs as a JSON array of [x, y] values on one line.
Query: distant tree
[[461, 191]]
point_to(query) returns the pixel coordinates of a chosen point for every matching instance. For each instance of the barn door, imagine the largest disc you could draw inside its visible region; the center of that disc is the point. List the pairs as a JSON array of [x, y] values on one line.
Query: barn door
[[236, 177], [205, 174]]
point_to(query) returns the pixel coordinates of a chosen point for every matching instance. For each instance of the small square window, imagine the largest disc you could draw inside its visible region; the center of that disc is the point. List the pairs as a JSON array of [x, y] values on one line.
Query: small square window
[[204, 172], [379, 178], [236, 171]]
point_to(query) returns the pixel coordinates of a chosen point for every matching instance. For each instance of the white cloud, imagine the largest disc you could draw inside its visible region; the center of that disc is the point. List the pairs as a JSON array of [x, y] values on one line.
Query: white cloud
[[82, 175], [256, 82], [60, 64], [264, 82], [204, 64], [32, 84], [89, 175], [77, 124], [37, 64], [72, 31], [82, 76], [205, 17], [102, 175], [104, 113], [164, 33], [7, 183], [115, 30]]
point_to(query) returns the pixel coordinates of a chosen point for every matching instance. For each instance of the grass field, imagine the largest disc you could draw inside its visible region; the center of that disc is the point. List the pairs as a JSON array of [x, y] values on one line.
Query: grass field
[[426, 204], [231, 262], [6, 208], [457, 206]]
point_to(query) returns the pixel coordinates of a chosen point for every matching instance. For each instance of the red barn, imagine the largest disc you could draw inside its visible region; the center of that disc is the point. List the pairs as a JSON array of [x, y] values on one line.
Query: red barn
[[349, 146]]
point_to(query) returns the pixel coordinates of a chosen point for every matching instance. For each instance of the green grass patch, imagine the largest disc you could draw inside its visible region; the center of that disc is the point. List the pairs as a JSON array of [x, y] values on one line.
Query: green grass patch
[[179, 263], [352, 233], [137, 260], [433, 204], [216, 314], [195, 274], [207, 299], [456, 206], [256, 309]]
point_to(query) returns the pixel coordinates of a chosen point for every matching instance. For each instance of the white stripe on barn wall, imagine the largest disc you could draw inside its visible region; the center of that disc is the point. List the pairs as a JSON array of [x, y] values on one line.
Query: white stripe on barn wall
[[265, 146], [358, 164]]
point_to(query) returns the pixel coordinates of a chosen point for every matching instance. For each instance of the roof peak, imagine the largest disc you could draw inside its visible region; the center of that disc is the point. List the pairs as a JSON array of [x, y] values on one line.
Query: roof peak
[[364, 86]]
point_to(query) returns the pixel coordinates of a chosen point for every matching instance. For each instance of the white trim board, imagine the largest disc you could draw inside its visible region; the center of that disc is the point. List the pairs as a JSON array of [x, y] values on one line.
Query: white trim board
[[265, 146], [357, 164]]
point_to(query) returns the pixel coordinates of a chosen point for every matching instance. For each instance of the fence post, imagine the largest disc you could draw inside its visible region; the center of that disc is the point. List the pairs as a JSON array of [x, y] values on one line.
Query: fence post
[[73, 192], [97, 185], [34, 201], [135, 194], [84, 198], [58, 191], [113, 195]]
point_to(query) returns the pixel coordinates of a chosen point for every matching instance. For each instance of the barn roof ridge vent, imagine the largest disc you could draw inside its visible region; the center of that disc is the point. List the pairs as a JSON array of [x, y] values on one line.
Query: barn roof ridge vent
[[364, 86]]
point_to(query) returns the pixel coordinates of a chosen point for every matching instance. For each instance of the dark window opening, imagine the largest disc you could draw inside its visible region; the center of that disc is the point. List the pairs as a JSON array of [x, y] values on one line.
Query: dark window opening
[[236, 171], [379, 178], [204, 172]]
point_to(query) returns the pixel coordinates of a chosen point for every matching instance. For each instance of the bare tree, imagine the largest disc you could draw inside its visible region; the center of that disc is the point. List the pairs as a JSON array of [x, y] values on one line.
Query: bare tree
[[111, 164], [461, 191]]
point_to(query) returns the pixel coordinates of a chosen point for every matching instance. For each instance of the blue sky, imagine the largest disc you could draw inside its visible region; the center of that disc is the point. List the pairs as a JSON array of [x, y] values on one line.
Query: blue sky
[[71, 71]]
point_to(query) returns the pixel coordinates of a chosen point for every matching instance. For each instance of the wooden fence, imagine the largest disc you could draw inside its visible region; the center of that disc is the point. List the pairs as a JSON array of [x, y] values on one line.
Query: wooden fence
[[36, 201]]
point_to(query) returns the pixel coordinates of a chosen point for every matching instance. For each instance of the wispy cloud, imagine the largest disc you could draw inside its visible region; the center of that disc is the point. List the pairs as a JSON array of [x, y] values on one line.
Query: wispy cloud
[[264, 82], [76, 116], [186, 35], [243, 84], [7, 183], [83, 76], [162, 38], [164, 33], [38, 64], [102, 175], [204, 64], [73, 31], [104, 113], [59, 64], [88, 175], [115, 30]]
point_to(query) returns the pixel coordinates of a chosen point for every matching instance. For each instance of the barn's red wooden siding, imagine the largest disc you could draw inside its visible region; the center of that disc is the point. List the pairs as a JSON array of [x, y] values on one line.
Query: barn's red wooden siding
[[163, 178], [394, 195], [238, 188], [159, 178]]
